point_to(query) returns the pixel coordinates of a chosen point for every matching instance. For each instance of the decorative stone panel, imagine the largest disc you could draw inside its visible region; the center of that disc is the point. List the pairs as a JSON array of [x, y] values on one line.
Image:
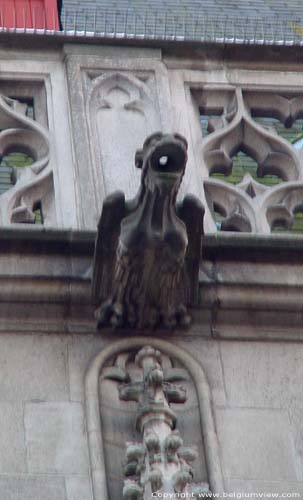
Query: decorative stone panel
[[147, 403], [121, 114], [118, 96]]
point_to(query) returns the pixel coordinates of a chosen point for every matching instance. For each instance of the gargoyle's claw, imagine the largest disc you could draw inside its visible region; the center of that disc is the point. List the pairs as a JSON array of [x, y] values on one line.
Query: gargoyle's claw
[[176, 318], [110, 314]]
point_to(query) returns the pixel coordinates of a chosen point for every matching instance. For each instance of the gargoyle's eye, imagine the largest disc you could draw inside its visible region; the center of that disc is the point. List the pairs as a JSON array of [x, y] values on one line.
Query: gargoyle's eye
[[163, 160]]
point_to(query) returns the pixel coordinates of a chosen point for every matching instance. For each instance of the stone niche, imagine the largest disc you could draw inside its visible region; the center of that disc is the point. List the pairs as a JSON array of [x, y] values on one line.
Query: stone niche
[[121, 112], [118, 96], [118, 119], [148, 408]]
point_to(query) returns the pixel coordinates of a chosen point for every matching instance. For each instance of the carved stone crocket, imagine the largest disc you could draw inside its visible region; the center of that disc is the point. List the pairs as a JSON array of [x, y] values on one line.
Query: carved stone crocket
[[148, 249]]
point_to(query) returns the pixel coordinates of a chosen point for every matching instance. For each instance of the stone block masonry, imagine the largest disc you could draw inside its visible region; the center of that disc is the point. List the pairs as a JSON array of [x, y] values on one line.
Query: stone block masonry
[[92, 102], [43, 437]]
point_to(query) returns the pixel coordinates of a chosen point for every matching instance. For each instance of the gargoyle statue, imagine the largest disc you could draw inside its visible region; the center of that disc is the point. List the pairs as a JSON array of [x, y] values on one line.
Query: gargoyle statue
[[148, 249]]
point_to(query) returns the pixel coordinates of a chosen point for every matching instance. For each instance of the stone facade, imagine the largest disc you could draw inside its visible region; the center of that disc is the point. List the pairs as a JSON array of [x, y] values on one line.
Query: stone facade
[[64, 428], [44, 439]]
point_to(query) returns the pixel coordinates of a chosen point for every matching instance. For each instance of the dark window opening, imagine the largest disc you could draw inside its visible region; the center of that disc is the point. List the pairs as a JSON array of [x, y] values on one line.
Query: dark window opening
[[280, 226], [30, 111], [219, 215], [243, 164], [37, 209], [291, 134], [209, 122]]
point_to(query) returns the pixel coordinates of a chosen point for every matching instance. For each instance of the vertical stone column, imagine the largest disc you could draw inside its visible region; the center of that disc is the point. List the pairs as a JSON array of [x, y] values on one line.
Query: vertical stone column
[[160, 463]]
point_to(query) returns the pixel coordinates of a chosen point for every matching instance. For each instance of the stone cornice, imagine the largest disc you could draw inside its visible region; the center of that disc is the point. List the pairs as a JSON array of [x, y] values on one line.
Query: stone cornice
[[250, 286], [236, 53]]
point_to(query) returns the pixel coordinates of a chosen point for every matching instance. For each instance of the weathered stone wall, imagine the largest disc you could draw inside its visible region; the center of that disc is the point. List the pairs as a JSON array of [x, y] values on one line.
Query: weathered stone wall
[[110, 98], [257, 395], [247, 334]]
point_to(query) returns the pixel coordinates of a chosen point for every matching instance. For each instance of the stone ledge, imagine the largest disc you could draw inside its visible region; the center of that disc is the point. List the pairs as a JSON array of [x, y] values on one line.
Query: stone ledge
[[250, 286], [218, 244], [37, 239], [274, 247]]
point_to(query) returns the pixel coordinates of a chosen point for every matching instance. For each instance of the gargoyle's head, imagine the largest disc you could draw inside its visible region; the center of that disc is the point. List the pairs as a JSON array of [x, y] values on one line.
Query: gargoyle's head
[[162, 160]]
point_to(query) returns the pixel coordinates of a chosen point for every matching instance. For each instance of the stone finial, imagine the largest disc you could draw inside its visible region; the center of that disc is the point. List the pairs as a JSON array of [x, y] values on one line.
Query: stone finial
[[160, 463]]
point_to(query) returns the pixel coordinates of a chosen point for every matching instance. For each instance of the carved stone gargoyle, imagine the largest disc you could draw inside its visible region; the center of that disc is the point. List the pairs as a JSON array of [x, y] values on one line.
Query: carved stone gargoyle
[[147, 250]]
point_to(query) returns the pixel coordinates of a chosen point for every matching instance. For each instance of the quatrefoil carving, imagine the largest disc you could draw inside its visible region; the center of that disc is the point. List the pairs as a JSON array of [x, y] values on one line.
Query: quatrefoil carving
[[250, 206]]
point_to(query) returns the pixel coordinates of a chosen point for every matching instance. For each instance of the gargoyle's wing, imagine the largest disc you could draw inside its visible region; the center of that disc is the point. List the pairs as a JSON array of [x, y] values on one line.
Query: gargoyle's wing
[[113, 211], [191, 212]]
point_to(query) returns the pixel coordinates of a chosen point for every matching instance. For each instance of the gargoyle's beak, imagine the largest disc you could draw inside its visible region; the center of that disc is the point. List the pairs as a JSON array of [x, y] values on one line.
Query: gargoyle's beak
[[168, 159]]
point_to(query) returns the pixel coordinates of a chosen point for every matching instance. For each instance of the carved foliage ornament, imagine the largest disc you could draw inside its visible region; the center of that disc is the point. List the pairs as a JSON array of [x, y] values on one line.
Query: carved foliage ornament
[[156, 385], [148, 249], [33, 183], [159, 463], [250, 206]]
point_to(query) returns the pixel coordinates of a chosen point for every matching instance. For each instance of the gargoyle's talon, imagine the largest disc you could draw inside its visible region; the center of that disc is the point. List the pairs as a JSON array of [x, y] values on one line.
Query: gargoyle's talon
[[116, 321], [185, 321], [117, 309]]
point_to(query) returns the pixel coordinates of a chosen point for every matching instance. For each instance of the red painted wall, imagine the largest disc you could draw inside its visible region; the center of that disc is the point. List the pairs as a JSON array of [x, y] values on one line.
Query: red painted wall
[[38, 14]]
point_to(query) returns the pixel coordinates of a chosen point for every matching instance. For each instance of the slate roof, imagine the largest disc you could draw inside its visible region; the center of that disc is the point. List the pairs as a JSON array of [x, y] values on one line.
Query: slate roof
[[249, 20], [251, 8]]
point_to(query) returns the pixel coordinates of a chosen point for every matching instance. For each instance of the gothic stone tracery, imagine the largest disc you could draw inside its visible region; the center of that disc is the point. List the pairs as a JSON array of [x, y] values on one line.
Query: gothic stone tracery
[[31, 185], [243, 120]]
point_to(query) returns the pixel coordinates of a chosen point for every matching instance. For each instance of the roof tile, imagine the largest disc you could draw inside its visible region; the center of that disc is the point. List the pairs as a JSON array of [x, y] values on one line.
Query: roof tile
[[170, 16]]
